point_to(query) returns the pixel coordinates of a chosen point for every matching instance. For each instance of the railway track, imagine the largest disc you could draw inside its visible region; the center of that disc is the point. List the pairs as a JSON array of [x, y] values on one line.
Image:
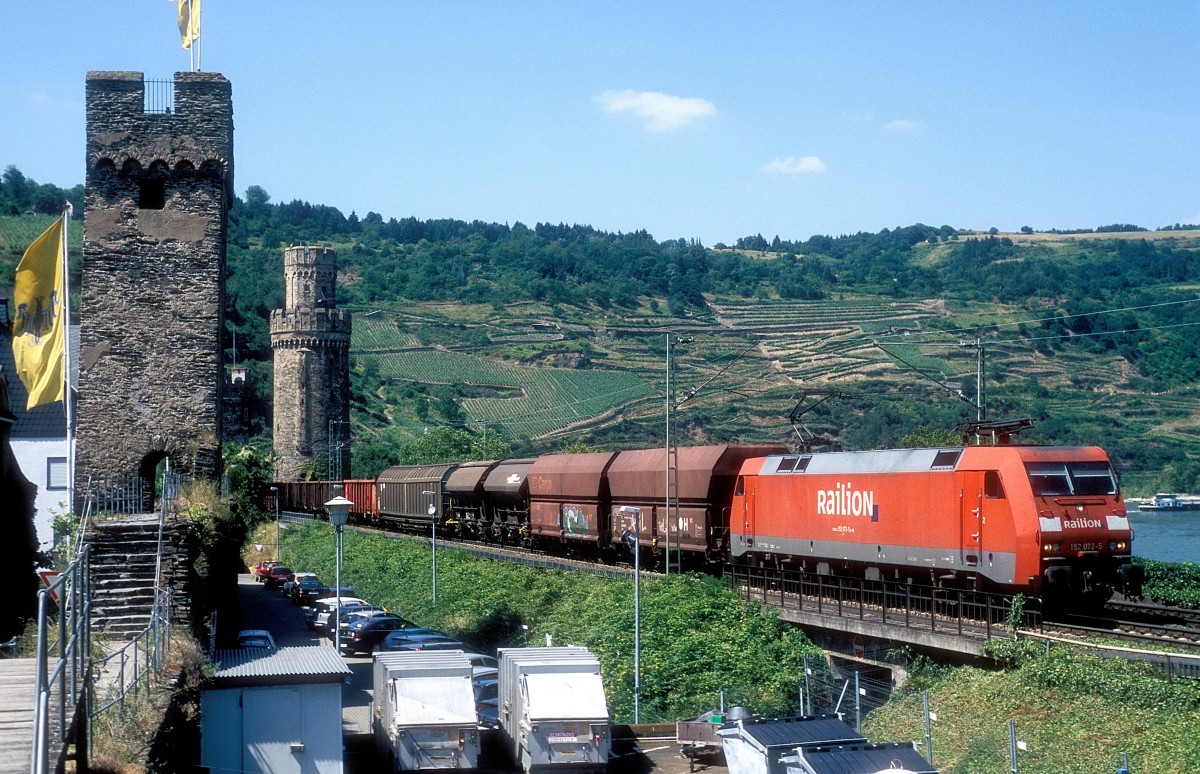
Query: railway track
[[1132, 629], [1151, 613]]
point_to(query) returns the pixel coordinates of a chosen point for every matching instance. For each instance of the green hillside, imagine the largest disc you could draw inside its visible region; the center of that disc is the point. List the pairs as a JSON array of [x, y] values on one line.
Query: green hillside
[[555, 336]]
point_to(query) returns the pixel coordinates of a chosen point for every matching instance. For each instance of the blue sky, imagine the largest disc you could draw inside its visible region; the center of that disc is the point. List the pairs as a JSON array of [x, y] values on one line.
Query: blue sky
[[687, 119]]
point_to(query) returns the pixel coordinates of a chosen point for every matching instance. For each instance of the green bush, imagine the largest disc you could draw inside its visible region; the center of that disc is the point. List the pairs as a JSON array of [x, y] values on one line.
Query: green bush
[[1172, 583]]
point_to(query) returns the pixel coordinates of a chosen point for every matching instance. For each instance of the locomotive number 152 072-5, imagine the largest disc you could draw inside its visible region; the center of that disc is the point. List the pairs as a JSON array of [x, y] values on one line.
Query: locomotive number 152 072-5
[[1087, 546]]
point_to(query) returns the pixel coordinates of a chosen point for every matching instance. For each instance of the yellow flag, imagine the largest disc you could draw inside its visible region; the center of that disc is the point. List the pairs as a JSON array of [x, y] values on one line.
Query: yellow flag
[[189, 21], [38, 331]]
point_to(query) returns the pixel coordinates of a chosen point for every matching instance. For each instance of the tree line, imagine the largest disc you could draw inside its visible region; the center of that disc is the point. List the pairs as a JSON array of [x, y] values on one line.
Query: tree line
[[20, 195]]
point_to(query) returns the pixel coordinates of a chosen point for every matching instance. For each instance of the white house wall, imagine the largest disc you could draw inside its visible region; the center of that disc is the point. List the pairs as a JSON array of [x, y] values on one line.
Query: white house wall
[[33, 456]]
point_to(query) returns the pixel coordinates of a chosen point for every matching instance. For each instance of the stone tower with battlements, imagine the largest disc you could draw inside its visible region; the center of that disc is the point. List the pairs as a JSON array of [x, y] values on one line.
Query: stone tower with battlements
[[159, 187], [310, 337]]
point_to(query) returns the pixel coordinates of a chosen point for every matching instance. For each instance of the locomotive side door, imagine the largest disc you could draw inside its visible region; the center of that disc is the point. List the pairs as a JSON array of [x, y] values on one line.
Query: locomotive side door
[[971, 518], [746, 495]]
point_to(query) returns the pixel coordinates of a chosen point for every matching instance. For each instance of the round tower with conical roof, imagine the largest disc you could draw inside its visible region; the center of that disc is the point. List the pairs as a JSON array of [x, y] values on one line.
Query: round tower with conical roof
[[310, 337]]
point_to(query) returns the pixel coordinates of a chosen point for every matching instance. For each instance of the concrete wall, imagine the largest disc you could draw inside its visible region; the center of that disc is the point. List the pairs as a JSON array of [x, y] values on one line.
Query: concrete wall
[[33, 456], [158, 189]]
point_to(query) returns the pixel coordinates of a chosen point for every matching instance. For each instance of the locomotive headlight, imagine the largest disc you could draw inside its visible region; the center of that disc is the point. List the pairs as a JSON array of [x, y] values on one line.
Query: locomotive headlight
[[1112, 545], [1046, 548]]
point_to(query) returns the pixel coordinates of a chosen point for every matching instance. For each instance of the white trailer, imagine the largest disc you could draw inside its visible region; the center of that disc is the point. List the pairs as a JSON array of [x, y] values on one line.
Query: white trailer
[[552, 709], [423, 710]]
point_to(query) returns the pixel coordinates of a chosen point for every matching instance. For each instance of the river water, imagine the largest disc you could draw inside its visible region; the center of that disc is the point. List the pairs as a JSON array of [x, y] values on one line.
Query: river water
[[1165, 535]]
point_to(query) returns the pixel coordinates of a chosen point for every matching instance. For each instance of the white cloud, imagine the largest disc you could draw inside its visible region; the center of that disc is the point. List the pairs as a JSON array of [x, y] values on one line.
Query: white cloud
[[661, 112], [805, 165], [902, 125]]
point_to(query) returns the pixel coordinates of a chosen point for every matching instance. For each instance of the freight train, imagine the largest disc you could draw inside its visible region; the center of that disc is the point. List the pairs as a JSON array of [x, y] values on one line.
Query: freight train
[[1046, 521]]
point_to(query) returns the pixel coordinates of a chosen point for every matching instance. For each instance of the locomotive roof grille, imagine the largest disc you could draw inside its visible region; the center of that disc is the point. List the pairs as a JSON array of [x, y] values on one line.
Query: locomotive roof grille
[[890, 461]]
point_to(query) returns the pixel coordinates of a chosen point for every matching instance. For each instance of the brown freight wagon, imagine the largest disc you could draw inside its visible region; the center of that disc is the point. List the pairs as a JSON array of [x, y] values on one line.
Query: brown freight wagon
[[569, 500], [506, 487], [466, 500], [305, 496], [403, 494], [361, 493], [699, 525]]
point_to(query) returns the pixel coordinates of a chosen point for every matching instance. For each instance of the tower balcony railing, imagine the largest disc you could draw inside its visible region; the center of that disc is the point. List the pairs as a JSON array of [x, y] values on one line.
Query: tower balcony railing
[[159, 96]]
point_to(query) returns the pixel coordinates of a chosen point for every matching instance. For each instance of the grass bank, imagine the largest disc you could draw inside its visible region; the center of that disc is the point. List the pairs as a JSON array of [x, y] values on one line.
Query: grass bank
[[1075, 713]]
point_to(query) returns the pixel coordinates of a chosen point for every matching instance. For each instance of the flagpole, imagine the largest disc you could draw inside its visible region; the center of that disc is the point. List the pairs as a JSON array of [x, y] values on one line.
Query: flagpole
[[191, 38], [197, 44], [66, 333]]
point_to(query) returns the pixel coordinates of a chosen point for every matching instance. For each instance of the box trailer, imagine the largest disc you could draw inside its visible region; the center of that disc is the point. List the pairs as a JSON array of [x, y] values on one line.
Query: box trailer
[[423, 710], [552, 709]]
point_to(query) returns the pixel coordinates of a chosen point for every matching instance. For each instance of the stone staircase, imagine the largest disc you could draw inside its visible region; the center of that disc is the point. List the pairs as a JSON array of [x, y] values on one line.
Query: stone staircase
[[124, 559]]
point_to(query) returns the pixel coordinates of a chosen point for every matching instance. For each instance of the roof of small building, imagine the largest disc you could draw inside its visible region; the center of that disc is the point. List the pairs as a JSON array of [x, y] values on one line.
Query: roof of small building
[[860, 758], [793, 732], [285, 666]]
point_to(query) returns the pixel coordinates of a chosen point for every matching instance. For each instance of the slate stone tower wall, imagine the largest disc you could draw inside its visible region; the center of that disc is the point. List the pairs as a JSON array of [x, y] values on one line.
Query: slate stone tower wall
[[159, 187], [310, 337]]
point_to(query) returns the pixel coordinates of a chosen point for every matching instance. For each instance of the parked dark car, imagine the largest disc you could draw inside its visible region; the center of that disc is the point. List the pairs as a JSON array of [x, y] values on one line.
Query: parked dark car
[[306, 591], [414, 647], [488, 714], [362, 635], [404, 641], [293, 579], [355, 616], [337, 591], [276, 575], [346, 614], [486, 689], [410, 635]]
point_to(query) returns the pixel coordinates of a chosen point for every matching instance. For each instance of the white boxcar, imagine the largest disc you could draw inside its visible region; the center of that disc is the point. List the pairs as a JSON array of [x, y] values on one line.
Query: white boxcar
[[552, 708], [423, 710]]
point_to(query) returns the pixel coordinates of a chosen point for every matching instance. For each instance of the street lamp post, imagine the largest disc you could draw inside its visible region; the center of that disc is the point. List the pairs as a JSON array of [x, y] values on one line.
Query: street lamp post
[[637, 605], [339, 514], [275, 497], [432, 511]]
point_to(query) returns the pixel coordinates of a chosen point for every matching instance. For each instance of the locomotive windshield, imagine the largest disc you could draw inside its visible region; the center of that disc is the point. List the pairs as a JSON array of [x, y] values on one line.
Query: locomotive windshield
[[1055, 479]]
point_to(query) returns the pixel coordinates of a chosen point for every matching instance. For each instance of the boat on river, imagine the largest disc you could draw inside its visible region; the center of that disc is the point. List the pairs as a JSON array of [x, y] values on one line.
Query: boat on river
[[1168, 501]]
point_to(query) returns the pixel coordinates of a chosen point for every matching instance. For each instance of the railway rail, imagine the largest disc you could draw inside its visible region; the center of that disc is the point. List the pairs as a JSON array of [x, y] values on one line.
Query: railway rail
[[1152, 613], [1184, 638]]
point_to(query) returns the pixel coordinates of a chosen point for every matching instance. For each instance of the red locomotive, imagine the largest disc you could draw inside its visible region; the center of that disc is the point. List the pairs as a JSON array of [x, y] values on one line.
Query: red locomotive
[[1044, 521]]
